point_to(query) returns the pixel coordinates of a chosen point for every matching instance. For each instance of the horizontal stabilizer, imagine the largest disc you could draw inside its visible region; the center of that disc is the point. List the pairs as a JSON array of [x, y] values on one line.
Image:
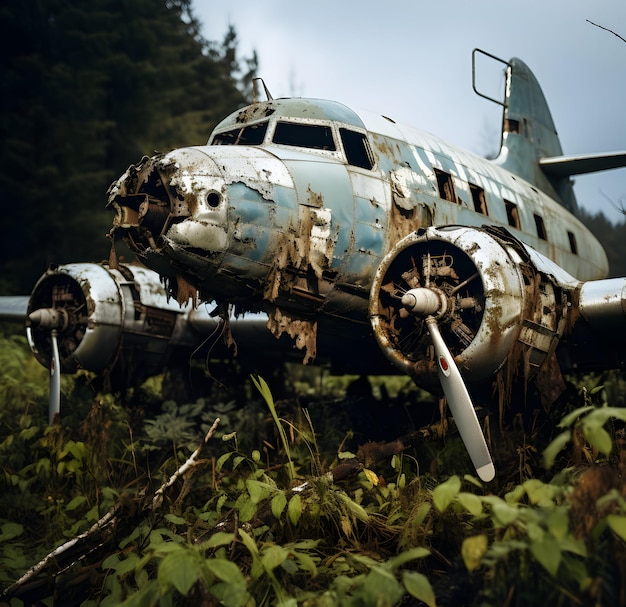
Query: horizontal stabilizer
[[564, 166]]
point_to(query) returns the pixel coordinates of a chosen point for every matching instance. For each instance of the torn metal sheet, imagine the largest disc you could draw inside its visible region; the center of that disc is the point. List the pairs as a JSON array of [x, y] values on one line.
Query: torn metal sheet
[[303, 332]]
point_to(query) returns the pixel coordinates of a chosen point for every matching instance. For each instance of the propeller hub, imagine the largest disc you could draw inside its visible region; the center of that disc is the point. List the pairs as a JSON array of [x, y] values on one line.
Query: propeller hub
[[50, 318], [422, 301]]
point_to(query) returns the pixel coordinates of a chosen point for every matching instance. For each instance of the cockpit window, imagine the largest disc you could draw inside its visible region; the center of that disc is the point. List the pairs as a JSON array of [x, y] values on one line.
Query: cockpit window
[[253, 134], [315, 136], [356, 148]]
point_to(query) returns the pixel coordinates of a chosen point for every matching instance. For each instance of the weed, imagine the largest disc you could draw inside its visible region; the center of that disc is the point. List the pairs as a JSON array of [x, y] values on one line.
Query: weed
[[266, 514]]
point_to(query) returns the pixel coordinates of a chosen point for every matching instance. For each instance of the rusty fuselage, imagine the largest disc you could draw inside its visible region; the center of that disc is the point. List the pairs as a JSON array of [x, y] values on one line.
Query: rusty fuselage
[[292, 205], [367, 242]]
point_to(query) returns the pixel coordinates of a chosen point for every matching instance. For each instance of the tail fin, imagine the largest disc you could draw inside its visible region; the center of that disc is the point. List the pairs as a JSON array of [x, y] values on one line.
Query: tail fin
[[529, 134], [530, 145], [526, 112]]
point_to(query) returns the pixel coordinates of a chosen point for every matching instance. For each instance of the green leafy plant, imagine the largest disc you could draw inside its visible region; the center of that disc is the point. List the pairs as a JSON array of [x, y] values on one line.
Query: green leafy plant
[[266, 393], [263, 515], [585, 428]]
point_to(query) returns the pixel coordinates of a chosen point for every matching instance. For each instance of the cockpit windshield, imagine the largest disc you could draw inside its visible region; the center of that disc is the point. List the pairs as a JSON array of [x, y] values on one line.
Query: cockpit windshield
[[253, 134], [302, 135], [314, 136]]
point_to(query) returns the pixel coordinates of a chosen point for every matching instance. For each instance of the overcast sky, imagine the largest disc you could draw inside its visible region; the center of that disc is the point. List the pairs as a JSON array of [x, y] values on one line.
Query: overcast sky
[[411, 60]]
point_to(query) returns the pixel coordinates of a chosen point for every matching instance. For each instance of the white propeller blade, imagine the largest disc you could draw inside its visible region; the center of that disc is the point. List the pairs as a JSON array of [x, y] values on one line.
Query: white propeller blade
[[54, 406], [461, 405], [54, 319]]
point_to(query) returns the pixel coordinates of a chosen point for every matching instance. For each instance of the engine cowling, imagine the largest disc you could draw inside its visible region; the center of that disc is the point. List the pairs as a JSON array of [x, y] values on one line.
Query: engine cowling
[[102, 315], [495, 300], [123, 326]]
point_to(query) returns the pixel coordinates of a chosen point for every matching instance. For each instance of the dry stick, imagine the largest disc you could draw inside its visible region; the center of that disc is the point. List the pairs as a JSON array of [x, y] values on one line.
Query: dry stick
[[110, 517], [104, 522], [157, 500]]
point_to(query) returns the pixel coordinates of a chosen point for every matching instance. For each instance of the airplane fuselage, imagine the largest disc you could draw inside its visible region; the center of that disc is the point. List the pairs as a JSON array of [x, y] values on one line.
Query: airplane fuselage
[[294, 203], [377, 245]]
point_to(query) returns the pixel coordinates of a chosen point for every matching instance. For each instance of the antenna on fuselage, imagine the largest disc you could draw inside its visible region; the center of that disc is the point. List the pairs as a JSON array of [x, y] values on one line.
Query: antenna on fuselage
[[502, 102], [255, 84]]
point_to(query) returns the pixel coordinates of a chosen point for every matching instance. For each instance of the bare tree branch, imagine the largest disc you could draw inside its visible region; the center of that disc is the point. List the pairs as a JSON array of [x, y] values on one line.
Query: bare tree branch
[[607, 29], [620, 208], [157, 500], [106, 521]]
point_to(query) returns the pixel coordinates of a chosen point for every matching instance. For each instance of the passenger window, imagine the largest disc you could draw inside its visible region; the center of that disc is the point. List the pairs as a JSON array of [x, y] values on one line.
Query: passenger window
[[541, 228], [512, 214], [572, 242], [252, 134], [313, 136], [445, 185], [480, 201], [356, 148]]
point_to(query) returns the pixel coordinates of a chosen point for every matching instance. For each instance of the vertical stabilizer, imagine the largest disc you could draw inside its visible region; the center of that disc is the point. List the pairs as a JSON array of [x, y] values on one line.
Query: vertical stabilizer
[[529, 134]]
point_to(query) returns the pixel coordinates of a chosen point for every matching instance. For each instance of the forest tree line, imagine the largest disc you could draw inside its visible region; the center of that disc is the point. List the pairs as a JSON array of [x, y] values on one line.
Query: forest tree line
[[613, 239], [89, 86]]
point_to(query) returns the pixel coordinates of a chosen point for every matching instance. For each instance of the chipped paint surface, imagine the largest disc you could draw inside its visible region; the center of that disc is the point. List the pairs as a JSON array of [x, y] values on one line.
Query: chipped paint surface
[[301, 232]]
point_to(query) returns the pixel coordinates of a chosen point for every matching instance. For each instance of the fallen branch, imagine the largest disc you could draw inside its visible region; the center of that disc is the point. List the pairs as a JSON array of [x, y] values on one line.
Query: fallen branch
[[109, 520], [106, 521], [157, 500]]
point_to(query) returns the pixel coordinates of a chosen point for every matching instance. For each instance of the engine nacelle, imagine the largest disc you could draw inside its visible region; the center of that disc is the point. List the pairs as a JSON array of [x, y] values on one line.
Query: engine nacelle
[[122, 325], [101, 315], [500, 301]]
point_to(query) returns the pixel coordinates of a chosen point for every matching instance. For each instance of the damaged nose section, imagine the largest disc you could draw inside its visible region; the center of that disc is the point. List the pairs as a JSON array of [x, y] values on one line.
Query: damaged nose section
[[154, 197], [143, 200]]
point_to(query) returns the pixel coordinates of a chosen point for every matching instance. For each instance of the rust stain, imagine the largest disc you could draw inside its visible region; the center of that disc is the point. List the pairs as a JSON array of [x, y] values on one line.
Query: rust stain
[[385, 148], [255, 111], [407, 212], [302, 255], [544, 318], [315, 199], [289, 258], [300, 249], [181, 290]]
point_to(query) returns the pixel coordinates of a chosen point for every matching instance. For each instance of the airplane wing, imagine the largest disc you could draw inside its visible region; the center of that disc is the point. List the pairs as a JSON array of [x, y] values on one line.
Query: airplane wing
[[88, 308], [13, 307]]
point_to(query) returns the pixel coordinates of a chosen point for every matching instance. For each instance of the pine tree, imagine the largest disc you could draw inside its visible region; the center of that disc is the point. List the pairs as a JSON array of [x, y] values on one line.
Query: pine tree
[[87, 87], [611, 236]]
